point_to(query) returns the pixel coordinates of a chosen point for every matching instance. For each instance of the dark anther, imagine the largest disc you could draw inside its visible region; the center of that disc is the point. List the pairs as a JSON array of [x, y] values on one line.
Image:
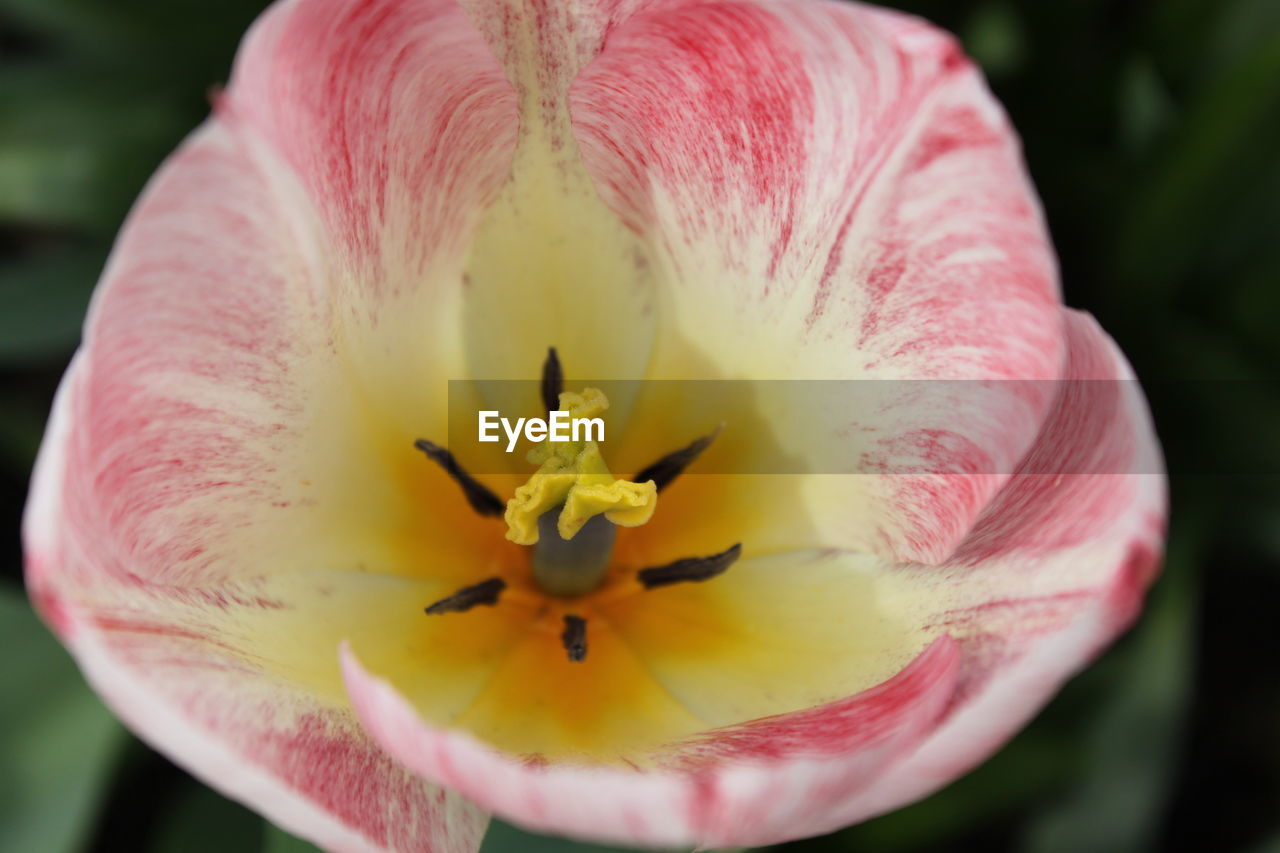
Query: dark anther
[[574, 637], [478, 495], [673, 464], [552, 381], [690, 569], [485, 592]]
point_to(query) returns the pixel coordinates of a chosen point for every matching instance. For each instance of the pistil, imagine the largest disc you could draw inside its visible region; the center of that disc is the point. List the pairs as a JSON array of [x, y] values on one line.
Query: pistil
[[569, 567], [573, 480]]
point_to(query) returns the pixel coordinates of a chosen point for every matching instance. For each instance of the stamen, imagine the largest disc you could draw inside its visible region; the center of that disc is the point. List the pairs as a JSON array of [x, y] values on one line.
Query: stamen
[[552, 381], [574, 637], [478, 495], [689, 569], [485, 592], [673, 464]]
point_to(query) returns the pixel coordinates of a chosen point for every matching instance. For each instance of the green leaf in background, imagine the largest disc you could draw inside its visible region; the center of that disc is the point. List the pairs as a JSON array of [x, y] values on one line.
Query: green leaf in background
[[58, 744], [42, 303], [276, 840], [995, 38], [1217, 157], [1036, 762], [77, 143], [200, 820], [1240, 26], [1271, 845], [1146, 107], [184, 37], [91, 27], [20, 432], [504, 838], [501, 838]]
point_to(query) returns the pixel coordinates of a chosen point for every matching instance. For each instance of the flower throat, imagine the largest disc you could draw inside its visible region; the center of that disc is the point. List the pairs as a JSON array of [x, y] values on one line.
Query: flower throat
[[568, 511]]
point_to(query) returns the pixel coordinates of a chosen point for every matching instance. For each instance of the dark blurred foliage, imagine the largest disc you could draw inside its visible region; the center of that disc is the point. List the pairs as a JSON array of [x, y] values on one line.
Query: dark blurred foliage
[[1153, 133]]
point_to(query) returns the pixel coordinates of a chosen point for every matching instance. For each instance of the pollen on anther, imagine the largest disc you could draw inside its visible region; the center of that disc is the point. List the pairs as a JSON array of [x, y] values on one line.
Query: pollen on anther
[[690, 569], [481, 498], [673, 464], [574, 638], [486, 592], [552, 380]]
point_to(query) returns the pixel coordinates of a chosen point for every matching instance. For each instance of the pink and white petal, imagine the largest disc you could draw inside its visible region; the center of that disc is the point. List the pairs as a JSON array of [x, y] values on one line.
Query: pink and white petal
[[238, 317], [1054, 570], [306, 766], [203, 434], [835, 175], [188, 391], [395, 118], [545, 45], [156, 656], [835, 187], [750, 784], [208, 431], [396, 121]]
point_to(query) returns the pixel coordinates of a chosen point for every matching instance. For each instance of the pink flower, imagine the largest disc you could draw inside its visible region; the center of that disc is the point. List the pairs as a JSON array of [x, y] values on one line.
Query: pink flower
[[231, 529]]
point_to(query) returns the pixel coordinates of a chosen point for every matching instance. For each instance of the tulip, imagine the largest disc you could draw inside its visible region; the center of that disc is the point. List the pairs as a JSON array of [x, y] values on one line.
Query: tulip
[[247, 527]]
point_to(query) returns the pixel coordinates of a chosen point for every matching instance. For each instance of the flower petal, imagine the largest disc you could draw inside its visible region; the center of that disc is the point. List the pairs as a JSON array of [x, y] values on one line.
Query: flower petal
[[773, 634], [751, 784], [543, 45], [213, 422], [396, 121], [232, 416], [829, 191], [157, 657], [835, 176], [1055, 568]]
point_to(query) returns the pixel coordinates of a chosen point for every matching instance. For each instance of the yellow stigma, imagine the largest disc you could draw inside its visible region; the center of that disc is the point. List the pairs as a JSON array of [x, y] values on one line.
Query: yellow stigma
[[573, 474]]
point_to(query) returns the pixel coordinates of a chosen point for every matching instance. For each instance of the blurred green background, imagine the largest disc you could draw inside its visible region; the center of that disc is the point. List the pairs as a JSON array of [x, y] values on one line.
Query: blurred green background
[[1153, 133]]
